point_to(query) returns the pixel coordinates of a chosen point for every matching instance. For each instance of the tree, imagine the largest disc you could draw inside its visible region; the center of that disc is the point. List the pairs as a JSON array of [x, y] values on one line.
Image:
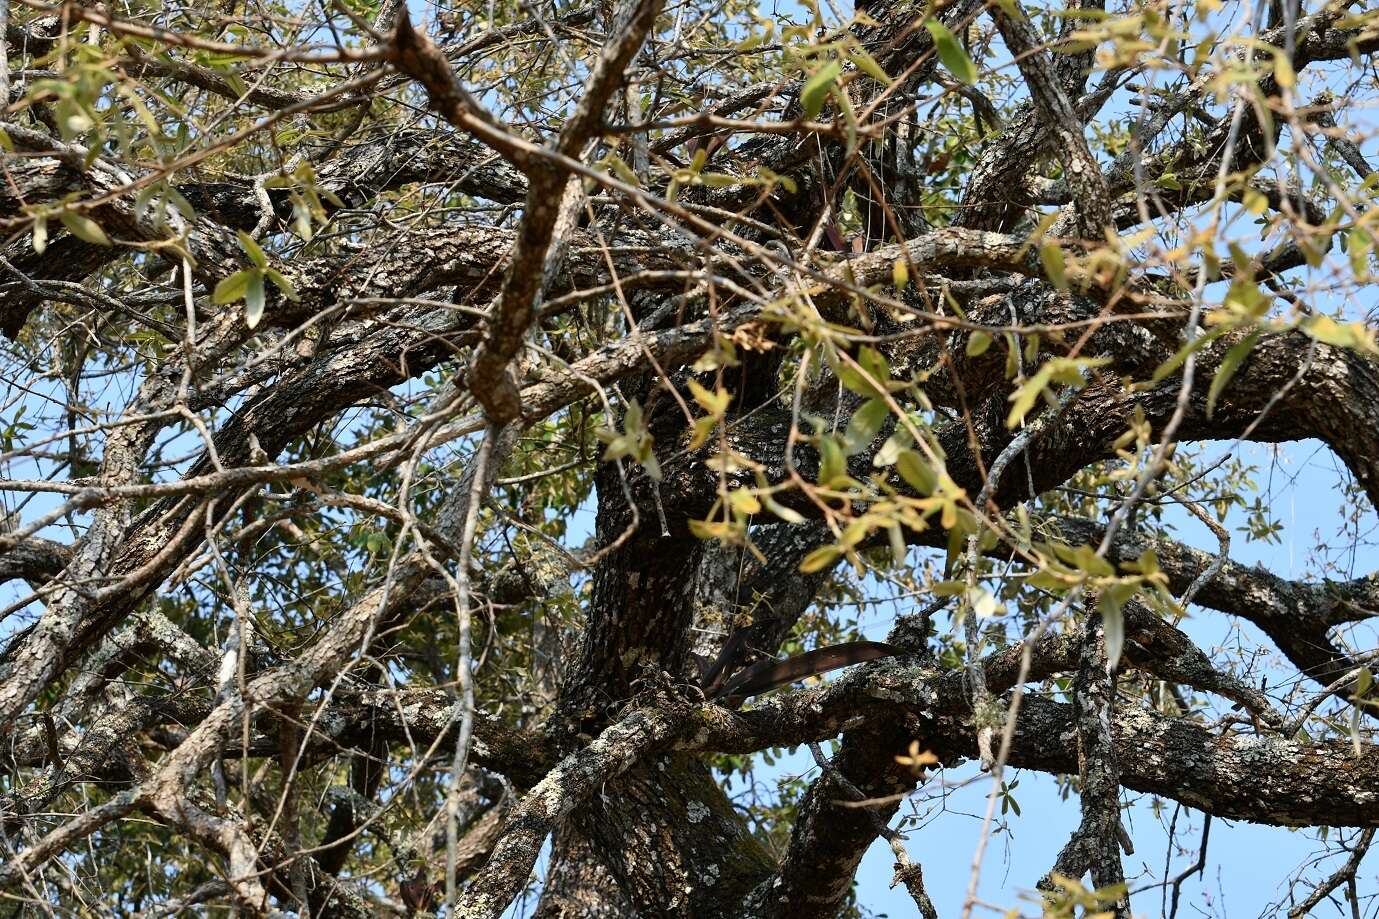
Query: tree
[[436, 433]]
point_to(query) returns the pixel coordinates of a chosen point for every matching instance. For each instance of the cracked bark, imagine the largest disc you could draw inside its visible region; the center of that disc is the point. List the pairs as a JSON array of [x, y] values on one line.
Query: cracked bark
[[615, 776]]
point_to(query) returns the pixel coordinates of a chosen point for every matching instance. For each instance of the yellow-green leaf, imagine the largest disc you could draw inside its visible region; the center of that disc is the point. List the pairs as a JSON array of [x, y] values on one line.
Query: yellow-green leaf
[[1284, 74], [83, 227], [618, 166], [281, 283], [916, 472], [868, 65], [232, 288], [1113, 625], [1255, 202], [780, 510], [715, 402], [1229, 365], [832, 466], [816, 89], [820, 559], [254, 299], [1358, 245], [719, 179], [951, 53], [703, 427], [744, 501], [1051, 257], [1342, 335], [1162, 372], [252, 249], [1024, 397]]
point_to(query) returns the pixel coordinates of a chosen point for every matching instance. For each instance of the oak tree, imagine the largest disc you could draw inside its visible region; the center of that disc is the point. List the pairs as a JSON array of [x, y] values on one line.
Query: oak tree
[[438, 434]]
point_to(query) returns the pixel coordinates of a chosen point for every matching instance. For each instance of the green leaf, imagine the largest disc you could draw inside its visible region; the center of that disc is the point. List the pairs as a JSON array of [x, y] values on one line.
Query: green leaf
[[916, 472], [868, 65], [789, 515], [1051, 257], [874, 363], [281, 283], [1341, 335], [253, 299], [252, 249], [817, 88], [632, 418], [719, 180], [1084, 559], [84, 227], [1024, 397], [143, 200], [865, 424], [1363, 681], [832, 466], [1229, 365], [951, 52], [978, 343], [820, 559], [232, 288], [1358, 246], [175, 198], [650, 463], [1162, 372]]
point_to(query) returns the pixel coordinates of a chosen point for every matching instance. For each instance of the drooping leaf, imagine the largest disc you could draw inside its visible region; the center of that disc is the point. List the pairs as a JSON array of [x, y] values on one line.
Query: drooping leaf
[[865, 424], [84, 228], [1229, 365], [868, 65], [820, 558], [832, 465], [916, 472], [1051, 257], [1340, 334], [252, 249], [281, 283], [1024, 397], [254, 298], [816, 89], [232, 288], [951, 52]]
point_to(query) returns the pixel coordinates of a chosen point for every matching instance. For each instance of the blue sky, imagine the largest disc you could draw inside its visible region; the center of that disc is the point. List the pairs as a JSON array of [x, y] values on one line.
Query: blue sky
[[1248, 866]]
